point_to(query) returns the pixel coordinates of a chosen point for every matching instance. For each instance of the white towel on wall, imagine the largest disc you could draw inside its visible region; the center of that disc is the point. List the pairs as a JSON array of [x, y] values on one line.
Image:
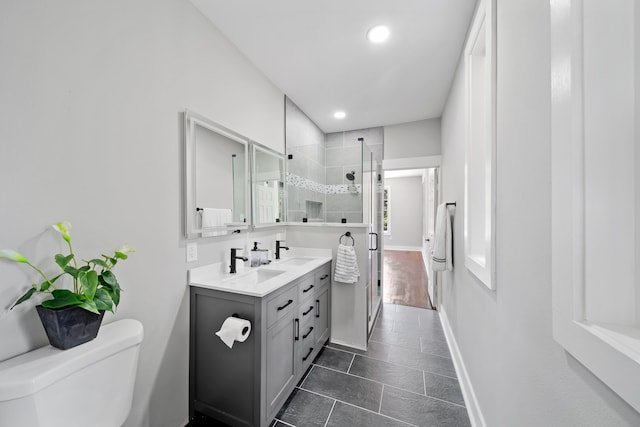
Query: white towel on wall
[[213, 218], [346, 265], [441, 255]]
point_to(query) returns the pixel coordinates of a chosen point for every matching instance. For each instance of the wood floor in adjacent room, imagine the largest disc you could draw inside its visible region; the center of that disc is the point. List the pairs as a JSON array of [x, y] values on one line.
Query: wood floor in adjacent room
[[405, 279]]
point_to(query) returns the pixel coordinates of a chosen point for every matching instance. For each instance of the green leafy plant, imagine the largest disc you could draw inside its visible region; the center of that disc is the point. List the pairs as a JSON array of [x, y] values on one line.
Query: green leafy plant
[[95, 287]]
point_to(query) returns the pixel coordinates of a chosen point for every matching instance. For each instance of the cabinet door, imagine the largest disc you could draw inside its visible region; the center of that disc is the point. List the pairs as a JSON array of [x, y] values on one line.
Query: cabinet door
[[281, 363], [323, 314]]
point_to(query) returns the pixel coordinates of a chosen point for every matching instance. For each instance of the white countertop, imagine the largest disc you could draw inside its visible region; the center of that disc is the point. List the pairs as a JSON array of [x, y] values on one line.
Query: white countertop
[[216, 276]]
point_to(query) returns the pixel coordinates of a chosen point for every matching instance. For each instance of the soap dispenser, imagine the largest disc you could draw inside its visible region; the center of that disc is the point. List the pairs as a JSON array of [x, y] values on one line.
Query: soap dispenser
[[255, 255]]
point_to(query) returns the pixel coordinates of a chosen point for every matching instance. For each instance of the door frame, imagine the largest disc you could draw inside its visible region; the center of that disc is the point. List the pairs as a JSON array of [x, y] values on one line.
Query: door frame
[[425, 162]]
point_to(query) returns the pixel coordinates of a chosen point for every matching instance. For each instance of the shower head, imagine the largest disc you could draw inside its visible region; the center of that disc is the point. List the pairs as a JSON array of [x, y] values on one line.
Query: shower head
[[351, 175]]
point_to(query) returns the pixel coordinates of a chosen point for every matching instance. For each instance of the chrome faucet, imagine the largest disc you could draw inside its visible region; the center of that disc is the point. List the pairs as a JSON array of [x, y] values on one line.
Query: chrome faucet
[[278, 247], [234, 257]]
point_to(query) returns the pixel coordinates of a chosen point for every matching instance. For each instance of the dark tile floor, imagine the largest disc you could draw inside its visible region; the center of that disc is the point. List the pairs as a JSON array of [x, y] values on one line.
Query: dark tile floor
[[405, 378]]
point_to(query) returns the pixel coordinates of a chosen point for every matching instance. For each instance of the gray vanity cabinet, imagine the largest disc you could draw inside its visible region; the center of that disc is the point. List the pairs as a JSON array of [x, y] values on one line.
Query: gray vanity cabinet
[[248, 384]]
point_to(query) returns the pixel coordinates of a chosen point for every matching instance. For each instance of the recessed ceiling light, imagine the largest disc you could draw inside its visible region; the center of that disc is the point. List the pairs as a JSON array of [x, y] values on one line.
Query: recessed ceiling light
[[378, 34], [339, 114]]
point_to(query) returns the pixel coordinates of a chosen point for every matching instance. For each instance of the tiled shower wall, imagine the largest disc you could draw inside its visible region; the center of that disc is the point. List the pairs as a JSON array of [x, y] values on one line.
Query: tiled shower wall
[[317, 187], [344, 154]]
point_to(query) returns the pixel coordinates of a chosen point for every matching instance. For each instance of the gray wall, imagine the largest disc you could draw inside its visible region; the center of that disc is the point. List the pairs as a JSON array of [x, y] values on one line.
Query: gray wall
[[520, 375], [91, 129], [406, 219], [412, 139]]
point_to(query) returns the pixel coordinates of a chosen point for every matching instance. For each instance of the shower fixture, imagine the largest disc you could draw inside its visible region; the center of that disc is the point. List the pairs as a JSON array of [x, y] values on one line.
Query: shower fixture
[[351, 176]]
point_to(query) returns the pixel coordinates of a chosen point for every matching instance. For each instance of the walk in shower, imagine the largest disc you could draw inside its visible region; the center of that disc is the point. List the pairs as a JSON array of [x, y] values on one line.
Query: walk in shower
[[325, 171], [337, 178]]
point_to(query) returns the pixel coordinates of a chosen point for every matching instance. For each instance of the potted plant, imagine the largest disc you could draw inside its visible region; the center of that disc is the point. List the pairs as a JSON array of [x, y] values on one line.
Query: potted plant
[[73, 317]]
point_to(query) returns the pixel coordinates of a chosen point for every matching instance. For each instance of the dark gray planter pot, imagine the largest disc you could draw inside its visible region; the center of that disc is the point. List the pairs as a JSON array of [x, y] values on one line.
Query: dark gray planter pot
[[70, 326]]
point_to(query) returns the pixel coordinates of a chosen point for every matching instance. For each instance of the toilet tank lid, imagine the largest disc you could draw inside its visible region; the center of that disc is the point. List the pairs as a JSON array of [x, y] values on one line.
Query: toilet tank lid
[[30, 372]]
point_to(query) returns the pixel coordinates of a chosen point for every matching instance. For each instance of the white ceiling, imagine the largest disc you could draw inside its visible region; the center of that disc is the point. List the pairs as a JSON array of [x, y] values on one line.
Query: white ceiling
[[317, 53]]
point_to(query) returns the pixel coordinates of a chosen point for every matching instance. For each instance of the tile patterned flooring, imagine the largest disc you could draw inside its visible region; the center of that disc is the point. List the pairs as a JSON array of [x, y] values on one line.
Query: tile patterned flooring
[[405, 378]]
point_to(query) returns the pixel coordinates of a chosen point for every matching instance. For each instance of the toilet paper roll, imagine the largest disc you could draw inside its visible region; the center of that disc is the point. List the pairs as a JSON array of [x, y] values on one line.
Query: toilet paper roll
[[234, 329]]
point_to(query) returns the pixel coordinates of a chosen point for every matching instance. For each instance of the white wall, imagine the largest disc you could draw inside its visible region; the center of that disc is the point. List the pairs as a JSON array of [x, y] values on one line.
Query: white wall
[[412, 139], [90, 132], [520, 375], [406, 220]]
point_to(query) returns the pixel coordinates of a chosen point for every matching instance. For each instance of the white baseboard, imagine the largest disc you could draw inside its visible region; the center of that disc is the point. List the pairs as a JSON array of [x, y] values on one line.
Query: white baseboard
[[425, 261], [345, 344], [471, 402], [402, 248]]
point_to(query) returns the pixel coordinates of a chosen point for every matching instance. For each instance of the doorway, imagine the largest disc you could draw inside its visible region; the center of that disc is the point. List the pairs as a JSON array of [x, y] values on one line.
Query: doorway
[[409, 205]]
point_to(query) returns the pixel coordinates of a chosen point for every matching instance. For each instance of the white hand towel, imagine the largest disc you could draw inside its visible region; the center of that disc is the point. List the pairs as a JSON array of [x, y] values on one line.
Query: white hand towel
[[441, 256], [346, 265], [213, 218]]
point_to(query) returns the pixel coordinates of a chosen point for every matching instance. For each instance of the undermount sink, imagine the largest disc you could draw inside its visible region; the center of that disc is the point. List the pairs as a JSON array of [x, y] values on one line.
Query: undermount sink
[[295, 261], [254, 277]]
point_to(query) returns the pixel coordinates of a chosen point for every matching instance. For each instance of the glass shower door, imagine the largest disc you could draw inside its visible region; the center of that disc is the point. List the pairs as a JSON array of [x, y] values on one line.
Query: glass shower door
[[372, 215]]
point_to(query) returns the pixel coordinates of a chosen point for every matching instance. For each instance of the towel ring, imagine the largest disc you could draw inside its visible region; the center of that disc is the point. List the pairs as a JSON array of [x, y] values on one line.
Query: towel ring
[[347, 234]]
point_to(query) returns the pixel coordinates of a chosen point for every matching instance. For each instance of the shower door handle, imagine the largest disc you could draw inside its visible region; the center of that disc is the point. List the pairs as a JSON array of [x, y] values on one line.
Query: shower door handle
[[376, 248]]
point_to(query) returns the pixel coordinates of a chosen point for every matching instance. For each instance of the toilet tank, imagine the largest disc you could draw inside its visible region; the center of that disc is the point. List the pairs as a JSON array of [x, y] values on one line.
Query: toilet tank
[[88, 385]]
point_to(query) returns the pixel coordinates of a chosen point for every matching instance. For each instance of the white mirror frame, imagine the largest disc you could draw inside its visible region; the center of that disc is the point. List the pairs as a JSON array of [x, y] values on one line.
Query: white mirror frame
[[191, 120], [480, 159]]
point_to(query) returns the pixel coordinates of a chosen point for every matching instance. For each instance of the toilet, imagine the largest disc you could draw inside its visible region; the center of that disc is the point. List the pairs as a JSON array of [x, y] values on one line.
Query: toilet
[[88, 385]]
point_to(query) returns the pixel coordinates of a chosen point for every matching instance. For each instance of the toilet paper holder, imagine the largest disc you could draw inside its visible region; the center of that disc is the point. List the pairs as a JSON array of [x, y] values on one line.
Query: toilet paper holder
[[245, 329]]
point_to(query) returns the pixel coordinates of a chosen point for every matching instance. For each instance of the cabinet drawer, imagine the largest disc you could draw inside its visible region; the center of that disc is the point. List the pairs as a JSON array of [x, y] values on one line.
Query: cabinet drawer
[[306, 288], [281, 305], [323, 276]]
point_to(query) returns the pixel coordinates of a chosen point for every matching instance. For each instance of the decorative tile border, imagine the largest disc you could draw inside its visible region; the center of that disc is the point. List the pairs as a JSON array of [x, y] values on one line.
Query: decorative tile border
[[308, 184]]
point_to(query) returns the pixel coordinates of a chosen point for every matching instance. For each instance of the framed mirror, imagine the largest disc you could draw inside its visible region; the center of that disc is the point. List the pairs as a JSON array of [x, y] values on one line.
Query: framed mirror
[[267, 186], [216, 170]]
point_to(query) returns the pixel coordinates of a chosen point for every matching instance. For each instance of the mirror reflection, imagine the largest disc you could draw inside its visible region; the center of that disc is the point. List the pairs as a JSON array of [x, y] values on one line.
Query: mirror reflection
[[268, 186], [216, 168]]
